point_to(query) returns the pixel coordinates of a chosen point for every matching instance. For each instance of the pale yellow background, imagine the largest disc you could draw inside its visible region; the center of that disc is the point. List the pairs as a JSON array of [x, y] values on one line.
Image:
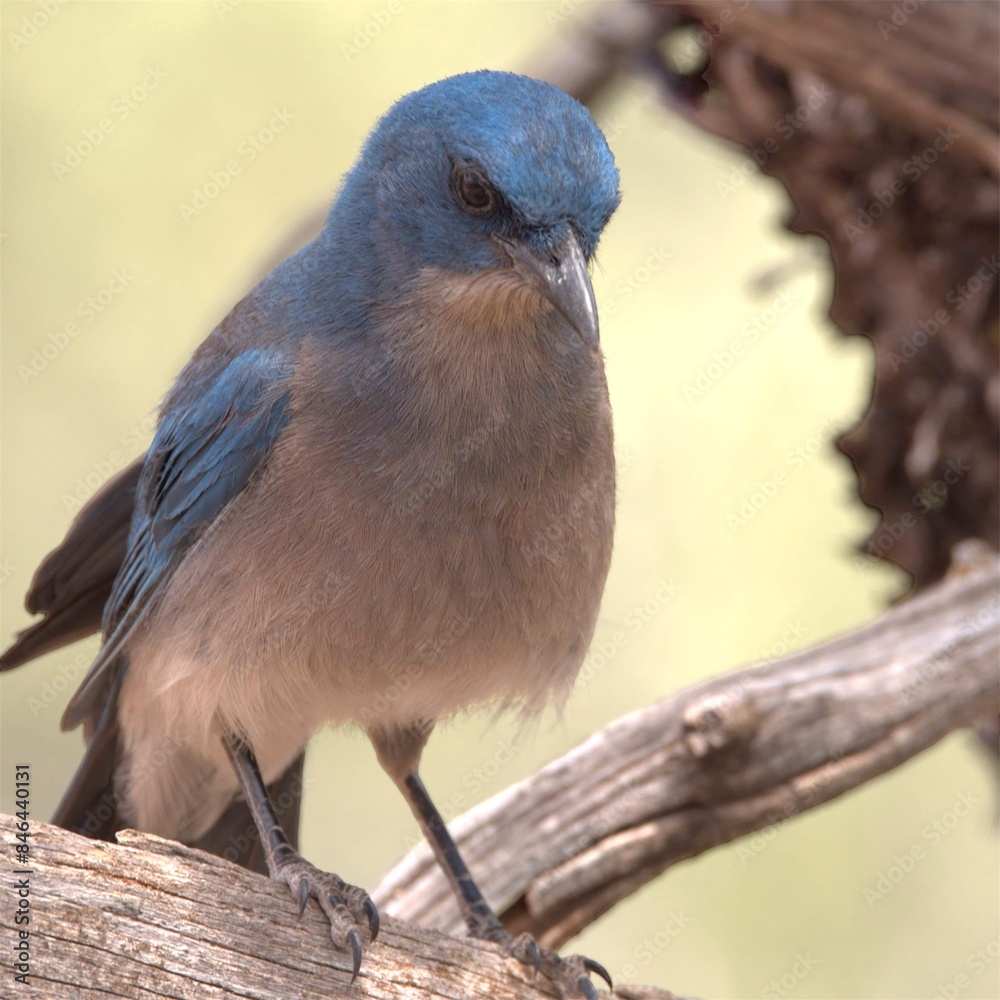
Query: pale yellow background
[[675, 284]]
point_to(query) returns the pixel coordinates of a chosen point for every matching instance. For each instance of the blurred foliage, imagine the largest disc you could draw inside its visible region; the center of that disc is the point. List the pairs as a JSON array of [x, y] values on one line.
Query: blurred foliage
[[710, 571]]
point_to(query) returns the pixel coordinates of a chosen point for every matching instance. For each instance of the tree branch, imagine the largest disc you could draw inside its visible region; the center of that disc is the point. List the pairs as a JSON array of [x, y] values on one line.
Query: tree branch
[[734, 754]]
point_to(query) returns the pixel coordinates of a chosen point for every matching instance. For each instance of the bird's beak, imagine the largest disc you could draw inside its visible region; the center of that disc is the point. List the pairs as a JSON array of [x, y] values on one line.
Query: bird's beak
[[561, 277]]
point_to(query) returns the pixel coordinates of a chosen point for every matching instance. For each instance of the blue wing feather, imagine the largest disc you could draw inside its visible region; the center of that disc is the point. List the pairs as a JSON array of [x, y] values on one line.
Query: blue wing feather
[[202, 457]]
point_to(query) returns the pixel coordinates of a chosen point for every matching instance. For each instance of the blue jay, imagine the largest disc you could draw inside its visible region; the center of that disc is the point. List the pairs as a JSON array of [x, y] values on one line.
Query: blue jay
[[380, 492]]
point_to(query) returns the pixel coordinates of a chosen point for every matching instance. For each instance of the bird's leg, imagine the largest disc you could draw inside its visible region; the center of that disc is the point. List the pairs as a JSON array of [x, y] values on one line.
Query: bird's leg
[[346, 906], [399, 753]]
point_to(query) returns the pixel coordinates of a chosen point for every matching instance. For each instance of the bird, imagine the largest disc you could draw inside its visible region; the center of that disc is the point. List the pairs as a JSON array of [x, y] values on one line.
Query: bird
[[381, 492]]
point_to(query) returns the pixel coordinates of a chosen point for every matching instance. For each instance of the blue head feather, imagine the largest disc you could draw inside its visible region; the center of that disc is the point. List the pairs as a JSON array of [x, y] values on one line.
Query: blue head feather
[[539, 148], [397, 211]]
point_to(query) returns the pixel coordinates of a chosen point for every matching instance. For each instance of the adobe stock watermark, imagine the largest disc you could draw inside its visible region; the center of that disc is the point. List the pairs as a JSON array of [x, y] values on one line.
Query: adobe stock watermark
[[88, 310], [755, 844], [105, 808], [553, 542], [132, 441], [655, 944], [377, 21], [566, 9], [442, 474], [727, 358], [32, 24], [614, 125], [902, 11], [297, 619], [809, 790], [767, 489], [67, 678], [982, 278], [603, 652], [458, 625], [224, 7], [789, 639], [943, 661], [613, 816], [957, 298], [979, 961], [239, 844], [246, 152], [785, 128], [120, 109], [802, 965], [931, 496], [636, 279], [931, 837], [912, 170], [475, 782], [556, 541]]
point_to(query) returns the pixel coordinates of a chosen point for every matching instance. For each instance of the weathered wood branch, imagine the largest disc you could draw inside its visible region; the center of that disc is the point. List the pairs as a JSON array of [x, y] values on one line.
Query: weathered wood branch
[[734, 754]]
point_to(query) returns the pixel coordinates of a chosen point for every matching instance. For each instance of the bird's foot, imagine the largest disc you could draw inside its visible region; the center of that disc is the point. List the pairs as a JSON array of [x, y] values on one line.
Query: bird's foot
[[570, 976], [347, 907]]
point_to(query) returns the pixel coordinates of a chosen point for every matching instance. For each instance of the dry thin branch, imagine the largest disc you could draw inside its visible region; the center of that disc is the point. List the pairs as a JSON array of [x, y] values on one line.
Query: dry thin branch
[[734, 754]]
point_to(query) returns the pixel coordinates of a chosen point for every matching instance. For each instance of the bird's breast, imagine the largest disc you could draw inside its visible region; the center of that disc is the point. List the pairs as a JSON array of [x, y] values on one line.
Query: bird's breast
[[470, 521], [413, 548]]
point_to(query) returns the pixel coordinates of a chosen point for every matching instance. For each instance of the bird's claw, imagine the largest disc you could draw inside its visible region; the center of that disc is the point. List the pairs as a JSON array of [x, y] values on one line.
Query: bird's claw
[[346, 906], [570, 976], [355, 941], [525, 949], [373, 918], [591, 966]]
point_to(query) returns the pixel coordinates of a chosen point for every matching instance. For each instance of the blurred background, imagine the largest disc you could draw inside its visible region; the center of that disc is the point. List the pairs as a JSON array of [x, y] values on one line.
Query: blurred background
[[158, 159]]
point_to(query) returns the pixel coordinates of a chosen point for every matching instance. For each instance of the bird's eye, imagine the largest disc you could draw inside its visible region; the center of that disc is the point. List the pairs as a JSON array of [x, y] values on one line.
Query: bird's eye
[[473, 190]]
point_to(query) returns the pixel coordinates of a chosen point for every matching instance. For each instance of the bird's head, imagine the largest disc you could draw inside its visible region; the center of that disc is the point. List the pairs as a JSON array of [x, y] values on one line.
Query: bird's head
[[489, 173]]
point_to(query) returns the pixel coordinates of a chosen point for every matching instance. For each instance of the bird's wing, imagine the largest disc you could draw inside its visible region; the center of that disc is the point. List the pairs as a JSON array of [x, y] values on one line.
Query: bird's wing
[[74, 582], [203, 455]]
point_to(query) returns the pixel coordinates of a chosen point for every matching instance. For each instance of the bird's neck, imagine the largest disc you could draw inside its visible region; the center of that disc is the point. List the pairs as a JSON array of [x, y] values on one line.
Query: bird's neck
[[488, 344]]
